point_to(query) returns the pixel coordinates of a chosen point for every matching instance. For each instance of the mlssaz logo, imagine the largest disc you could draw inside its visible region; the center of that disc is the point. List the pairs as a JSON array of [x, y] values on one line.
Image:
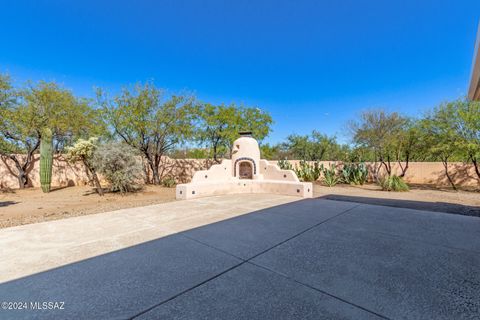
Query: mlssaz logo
[[47, 305]]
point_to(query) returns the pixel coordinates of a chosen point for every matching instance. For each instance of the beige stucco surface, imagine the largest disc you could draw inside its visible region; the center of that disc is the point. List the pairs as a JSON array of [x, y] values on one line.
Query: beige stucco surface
[[33, 248], [258, 176], [63, 173]]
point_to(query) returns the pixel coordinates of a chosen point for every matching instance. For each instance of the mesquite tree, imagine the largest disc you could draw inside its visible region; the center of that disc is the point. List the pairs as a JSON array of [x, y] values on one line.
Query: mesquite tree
[[25, 113], [389, 136], [19, 132], [440, 136], [147, 120], [468, 129]]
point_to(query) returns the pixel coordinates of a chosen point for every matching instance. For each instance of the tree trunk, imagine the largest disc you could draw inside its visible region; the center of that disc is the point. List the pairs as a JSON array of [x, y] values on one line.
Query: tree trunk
[[96, 181], [445, 165], [475, 165], [153, 162], [22, 178], [388, 167], [145, 171], [215, 155], [21, 169], [156, 176], [404, 169]]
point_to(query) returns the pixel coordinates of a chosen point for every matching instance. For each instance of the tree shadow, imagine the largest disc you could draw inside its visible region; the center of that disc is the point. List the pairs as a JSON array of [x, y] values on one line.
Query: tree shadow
[[181, 170], [410, 204], [7, 203], [69, 184], [462, 175]]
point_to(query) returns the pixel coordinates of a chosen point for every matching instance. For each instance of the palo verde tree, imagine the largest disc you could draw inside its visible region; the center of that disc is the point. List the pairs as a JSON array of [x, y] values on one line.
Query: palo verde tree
[[220, 124], [149, 121]]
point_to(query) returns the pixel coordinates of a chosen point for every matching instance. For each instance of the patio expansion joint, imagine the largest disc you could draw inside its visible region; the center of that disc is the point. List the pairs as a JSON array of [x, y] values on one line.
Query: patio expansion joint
[[186, 290], [244, 261], [319, 290]]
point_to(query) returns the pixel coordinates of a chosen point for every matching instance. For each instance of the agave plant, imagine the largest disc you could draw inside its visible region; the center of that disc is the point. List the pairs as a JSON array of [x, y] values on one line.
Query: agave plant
[[393, 183], [330, 177]]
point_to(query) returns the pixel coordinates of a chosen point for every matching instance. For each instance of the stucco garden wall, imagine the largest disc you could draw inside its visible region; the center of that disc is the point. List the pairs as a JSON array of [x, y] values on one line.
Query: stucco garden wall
[[432, 173], [66, 174], [182, 169]]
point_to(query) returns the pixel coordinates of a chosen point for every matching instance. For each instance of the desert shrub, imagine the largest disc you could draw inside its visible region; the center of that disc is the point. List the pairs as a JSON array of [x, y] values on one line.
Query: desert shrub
[[118, 164], [329, 175], [307, 171], [284, 164], [168, 182], [83, 150], [393, 183], [354, 173]]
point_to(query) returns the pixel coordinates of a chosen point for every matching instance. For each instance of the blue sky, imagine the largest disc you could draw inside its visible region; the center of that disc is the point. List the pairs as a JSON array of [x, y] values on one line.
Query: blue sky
[[311, 64]]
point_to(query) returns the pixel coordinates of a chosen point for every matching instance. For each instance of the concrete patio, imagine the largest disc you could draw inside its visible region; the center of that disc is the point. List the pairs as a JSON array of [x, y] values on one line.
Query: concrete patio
[[247, 257]]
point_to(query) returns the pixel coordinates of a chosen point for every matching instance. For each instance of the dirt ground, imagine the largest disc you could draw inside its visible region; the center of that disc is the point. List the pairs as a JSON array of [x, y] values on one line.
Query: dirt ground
[[32, 205], [419, 197]]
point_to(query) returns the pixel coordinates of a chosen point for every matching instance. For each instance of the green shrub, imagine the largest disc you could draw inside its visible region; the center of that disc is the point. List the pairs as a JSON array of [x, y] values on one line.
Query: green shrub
[[354, 173], [308, 172], [118, 164], [329, 175], [284, 164], [393, 183], [168, 182]]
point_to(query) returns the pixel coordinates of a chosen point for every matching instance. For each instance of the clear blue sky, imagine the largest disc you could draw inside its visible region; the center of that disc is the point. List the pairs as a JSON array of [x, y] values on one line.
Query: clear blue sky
[[311, 64]]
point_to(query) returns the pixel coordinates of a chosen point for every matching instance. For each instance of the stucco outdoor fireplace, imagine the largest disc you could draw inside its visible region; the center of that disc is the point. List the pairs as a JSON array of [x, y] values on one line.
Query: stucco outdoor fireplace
[[244, 173]]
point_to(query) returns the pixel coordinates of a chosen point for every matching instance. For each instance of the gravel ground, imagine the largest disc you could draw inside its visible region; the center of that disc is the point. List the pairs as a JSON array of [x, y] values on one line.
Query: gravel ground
[[19, 207]]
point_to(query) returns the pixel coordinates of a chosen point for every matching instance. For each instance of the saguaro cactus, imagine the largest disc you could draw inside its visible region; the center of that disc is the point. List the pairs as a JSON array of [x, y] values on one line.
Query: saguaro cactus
[[46, 160]]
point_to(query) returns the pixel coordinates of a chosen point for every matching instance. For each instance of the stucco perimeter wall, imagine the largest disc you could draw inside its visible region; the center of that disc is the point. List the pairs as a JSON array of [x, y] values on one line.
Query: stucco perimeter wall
[[67, 174], [183, 169], [463, 174]]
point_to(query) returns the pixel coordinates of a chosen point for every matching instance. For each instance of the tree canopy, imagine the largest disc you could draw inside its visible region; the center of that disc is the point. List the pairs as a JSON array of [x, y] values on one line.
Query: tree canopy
[[220, 124], [157, 123], [26, 113], [149, 121]]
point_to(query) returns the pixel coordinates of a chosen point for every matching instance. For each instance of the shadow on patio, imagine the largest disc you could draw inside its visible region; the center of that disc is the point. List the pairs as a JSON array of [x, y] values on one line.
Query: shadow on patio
[[436, 206], [308, 259]]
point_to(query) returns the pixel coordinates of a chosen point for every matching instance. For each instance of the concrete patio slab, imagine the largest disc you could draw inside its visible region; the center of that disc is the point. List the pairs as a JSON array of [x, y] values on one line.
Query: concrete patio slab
[[315, 258], [249, 235], [120, 284], [450, 230], [33, 248], [250, 292], [389, 275]]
